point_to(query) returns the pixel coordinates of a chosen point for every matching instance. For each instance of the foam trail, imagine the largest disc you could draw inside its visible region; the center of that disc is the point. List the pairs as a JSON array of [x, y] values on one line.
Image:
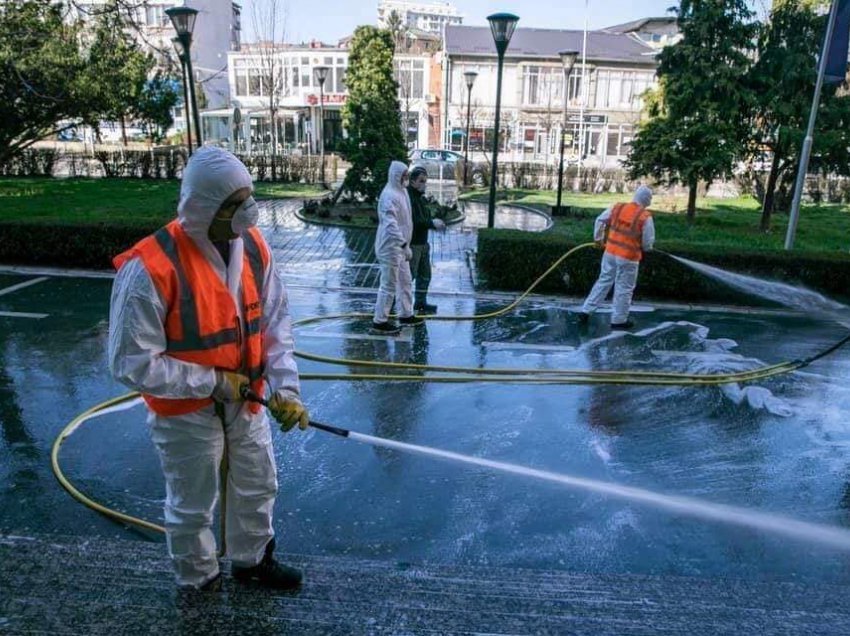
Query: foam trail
[[792, 528], [788, 295]]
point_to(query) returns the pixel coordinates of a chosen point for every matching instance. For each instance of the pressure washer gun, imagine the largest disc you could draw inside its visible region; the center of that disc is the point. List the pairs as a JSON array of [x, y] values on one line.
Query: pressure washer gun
[[250, 396]]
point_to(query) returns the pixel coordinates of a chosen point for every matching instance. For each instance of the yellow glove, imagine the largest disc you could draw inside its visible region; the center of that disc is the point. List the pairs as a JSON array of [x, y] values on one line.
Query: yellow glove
[[288, 410], [228, 385]]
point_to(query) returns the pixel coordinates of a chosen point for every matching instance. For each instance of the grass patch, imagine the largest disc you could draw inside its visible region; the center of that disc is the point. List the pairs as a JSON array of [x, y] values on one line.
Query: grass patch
[[719, 223], [127, 202]]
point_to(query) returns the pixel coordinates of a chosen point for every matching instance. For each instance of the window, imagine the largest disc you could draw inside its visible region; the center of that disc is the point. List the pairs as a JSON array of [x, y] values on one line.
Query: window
[[340, 79], [542, 85], [574, 91], [410, 75], [249, 80], [254, 84], [155, 15], [241, 82], [619, 138], [621, 89]]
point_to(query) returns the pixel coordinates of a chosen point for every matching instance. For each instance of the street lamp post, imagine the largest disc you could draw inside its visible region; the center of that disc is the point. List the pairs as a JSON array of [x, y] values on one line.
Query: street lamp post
[[181, 55], [568, 58], [502, 26], [469, 76], [321, 73], [183, 19]]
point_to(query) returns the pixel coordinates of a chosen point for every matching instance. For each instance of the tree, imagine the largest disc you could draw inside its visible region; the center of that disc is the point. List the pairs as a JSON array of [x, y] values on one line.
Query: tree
[[156, 104], [783, 80], [50, 78], [398, 29], [371, 114], [700, 127], [120, 67]]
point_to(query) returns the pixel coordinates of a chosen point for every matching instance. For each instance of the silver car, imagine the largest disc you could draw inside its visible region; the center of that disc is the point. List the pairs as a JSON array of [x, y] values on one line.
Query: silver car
[[446, 165]]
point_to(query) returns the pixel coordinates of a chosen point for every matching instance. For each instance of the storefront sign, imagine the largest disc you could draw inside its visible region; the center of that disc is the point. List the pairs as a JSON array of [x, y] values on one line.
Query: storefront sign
[[313, 100], [589, 119]]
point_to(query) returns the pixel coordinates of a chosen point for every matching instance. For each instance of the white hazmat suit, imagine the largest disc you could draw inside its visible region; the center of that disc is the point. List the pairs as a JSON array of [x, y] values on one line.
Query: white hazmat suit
[[617, 272], [392, 246], [191, 446]]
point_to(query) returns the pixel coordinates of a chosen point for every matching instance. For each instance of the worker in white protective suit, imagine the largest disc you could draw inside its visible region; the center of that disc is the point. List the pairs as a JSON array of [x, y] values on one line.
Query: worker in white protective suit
[[626, 231], [392, 248], [199, 313]]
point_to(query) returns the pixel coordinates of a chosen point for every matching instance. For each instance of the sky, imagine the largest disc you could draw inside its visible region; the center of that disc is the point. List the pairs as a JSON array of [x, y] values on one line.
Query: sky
[[329, 20]]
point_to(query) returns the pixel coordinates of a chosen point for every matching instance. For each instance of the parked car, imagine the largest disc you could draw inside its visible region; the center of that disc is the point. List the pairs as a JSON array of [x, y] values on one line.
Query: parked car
[[451, 163]]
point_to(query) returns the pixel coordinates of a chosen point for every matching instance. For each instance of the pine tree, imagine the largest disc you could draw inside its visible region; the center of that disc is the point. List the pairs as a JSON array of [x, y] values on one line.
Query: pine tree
[[371, 115]]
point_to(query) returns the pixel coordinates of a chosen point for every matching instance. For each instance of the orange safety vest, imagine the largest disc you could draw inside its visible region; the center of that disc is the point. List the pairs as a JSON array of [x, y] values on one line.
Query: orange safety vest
[[625, 231], [202, 324]]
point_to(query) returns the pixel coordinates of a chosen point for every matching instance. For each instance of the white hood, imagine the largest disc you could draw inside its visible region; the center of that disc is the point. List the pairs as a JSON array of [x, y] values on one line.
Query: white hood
[[211, 175], [395, 224]]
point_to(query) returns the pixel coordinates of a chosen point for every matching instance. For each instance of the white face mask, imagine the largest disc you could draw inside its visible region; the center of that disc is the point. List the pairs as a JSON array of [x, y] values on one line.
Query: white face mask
[[246, 216]]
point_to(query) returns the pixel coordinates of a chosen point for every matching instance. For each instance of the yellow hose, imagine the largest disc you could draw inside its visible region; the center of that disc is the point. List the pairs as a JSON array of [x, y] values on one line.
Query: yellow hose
[[462, 375], [565, 376], [76, 494]]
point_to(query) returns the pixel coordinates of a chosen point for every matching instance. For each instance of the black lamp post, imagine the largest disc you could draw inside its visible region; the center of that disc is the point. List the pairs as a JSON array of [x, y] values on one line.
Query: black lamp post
[[183, 19], [469, 76], [568, 58], [178, 49], [321, 74], [502, 26]]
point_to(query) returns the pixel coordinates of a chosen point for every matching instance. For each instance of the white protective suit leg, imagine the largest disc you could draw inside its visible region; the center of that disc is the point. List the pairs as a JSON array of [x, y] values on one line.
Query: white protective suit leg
[[603, 284], [190, 449], [251, 486], [624, 287], [396, 282], [404, 289]]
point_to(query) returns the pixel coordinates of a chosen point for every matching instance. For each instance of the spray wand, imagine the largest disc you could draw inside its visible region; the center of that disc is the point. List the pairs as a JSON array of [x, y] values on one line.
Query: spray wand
[[250, 396]]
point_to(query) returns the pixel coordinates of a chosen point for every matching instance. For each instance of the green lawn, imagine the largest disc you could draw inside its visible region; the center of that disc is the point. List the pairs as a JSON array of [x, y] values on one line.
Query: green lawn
[[732, 223], [116, 201]]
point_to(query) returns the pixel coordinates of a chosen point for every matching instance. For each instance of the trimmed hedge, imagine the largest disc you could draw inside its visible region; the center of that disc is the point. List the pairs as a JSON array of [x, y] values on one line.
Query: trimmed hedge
[[76, 246], [513, 259]]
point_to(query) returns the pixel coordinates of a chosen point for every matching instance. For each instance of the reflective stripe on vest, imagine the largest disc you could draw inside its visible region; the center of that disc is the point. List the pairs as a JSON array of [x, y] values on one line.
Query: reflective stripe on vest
[[186, 281], [625, 231]]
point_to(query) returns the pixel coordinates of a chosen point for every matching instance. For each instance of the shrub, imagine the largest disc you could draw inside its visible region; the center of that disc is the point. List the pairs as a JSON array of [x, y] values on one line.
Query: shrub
[[512, 260], [79, 246]]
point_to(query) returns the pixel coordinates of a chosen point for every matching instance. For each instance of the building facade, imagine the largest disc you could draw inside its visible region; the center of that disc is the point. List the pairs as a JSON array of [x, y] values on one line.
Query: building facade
[[597, 107], [290, 70], [432, 17], [601, 99], [257, 70]]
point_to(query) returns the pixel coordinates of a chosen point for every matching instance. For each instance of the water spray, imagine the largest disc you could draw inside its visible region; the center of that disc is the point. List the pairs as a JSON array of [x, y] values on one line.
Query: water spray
[[792, 528]]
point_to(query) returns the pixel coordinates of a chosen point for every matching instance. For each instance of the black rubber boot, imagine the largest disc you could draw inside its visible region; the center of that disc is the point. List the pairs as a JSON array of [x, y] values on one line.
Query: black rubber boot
[[385, 328], [425, 308], [583, 317], [408, 321], [269, 573], [622, 326]]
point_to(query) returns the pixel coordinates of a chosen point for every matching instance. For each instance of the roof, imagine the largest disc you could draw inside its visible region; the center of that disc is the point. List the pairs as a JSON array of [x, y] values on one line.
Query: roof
[[637, 25], [548, 43]]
